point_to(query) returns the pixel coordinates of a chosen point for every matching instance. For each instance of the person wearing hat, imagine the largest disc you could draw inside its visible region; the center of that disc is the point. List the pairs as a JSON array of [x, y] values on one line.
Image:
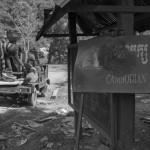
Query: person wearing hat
[[32, 76], [12, 51]]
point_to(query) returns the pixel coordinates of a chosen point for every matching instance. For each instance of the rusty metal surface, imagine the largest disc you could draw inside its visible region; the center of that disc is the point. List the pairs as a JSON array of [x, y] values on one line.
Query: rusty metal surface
[[113, 65], [95, 22]]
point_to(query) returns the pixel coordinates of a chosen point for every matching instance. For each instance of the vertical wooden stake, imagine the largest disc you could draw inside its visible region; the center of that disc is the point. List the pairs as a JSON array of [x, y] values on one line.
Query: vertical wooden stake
[[0, 62], [73, 54], [79, 127], [125, 102], [113, 121]]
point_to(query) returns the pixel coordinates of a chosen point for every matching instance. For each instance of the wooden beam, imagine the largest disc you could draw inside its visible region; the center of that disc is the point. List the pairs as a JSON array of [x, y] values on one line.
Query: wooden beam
[[72, 53], [46, 13], [59, 13], [112, 26], [79, 127], [67, 35], [125, 102], [62, 3], [0, 62], [109, 8]]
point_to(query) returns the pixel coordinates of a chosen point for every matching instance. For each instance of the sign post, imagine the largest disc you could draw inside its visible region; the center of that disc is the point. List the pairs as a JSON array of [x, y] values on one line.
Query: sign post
[[118, 66], [109, 71], [113, 65], [125, 102]]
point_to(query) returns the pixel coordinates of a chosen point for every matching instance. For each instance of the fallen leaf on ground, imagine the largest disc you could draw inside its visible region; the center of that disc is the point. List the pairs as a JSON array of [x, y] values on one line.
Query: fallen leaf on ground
[[49, 145], [62, 111], [2, 136], [71, 131], [59, 144], [2, 145], [46, 119], [24, 127], [86, 134], [34, 124], [88, 148], [13, 127], [137, 140], [145, 101], [21, 142], [45, 138], [67, 119], [103, 147]]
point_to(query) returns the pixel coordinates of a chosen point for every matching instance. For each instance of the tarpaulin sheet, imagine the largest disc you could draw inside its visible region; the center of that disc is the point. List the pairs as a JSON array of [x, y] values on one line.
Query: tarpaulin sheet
[[113, 65]]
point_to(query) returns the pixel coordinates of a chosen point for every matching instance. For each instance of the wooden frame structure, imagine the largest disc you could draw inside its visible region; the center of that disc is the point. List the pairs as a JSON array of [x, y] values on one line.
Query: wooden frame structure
[[122, 106]]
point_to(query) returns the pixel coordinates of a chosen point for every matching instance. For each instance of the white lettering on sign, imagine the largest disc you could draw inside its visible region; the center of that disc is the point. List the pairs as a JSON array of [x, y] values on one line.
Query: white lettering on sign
[[126, 79], [141, 50]]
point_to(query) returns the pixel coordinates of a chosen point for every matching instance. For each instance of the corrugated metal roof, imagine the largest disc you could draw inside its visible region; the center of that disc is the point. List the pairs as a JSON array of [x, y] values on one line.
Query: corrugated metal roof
[[91, 22]]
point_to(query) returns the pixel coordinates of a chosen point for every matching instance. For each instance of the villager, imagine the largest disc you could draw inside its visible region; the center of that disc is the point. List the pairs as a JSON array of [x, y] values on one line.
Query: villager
[[32, 76], [38, 67], [12, 51]]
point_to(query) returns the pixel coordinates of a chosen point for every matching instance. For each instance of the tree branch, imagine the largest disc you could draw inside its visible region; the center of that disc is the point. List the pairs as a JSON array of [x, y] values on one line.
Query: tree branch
[[13, 22]]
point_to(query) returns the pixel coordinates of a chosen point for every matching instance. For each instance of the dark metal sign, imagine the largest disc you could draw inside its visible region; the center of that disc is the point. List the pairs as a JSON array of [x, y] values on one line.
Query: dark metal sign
[[113, 65]]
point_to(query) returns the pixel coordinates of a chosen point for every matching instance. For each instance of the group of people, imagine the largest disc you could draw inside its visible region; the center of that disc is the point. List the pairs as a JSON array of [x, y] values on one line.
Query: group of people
[[9, 54]]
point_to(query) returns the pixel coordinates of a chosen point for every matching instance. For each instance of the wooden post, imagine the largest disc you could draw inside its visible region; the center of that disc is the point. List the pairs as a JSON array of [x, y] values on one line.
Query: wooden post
[[0, 68], [0, 63], [79, 127], [71, 59], [125, 102], [113, 121]]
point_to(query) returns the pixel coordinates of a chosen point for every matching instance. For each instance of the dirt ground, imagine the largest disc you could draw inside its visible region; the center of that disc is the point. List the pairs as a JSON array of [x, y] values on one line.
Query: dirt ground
[[50, 126]]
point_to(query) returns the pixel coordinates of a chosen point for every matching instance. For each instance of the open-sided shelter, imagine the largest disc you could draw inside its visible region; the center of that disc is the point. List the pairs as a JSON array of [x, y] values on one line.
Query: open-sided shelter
[[114, 113]]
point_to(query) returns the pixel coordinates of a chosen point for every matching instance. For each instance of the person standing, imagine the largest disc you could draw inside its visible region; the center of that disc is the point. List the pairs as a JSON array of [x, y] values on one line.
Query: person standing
[[12, 51]]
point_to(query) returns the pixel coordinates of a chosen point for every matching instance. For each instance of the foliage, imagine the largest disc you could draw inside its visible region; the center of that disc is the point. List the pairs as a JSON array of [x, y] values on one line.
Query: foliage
[[21, 16], [26, 17], [58, 46]]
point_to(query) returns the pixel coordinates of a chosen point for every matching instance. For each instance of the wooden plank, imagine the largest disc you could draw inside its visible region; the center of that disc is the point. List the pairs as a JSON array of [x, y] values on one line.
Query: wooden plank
[[46, 13], [4, 90], [109, 8], [62, 3], [0, 62], [125, 102], [69, 79], [71, 60], [72, 46], [67, 35], [71, 53], [79, 127], [59, 13], [125, 120], [113, 121]]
